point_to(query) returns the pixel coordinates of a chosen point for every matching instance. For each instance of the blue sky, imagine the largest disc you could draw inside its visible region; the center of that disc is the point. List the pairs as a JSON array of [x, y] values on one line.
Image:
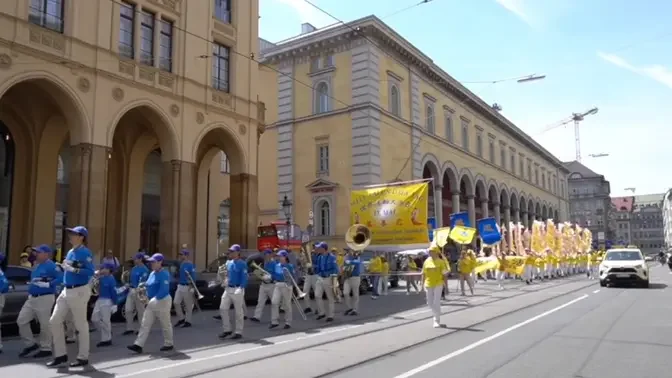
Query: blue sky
[[613, 54]]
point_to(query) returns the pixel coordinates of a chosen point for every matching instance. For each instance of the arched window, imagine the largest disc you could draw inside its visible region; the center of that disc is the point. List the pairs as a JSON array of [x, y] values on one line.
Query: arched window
[[430, 120], [321, 98], [395, 101], [324, 226]]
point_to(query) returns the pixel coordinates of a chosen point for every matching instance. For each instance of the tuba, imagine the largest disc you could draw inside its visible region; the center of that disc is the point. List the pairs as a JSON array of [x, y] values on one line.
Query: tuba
[[357, 238], [305, 258]]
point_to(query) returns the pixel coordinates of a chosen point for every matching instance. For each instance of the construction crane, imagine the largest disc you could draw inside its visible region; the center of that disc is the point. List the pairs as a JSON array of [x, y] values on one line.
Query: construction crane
[[577, 118]]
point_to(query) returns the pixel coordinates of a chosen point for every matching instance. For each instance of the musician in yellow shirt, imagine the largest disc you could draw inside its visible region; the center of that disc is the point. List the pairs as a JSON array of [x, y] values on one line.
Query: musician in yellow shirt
[[434, 270], [375, 268], [384, 276]]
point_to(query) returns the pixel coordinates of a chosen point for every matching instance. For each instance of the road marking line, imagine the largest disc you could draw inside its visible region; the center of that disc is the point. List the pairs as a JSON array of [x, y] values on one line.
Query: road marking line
[[596, 291], [458, 352], [235, 352]]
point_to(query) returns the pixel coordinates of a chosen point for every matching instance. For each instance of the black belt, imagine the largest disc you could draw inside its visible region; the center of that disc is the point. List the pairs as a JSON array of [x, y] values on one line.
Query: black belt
[[75, 286], [40, 295]]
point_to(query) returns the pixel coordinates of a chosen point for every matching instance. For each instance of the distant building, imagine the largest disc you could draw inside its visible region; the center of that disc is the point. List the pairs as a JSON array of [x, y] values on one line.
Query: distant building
[[622, 215], [589, 202], [667, 219], [647, 223]]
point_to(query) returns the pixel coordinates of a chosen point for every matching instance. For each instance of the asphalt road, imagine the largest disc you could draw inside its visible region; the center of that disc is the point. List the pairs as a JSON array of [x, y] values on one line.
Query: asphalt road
[[393, 335]]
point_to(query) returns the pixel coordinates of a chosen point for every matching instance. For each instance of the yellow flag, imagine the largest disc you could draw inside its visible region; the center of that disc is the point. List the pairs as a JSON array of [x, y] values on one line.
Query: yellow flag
[[462, 235]]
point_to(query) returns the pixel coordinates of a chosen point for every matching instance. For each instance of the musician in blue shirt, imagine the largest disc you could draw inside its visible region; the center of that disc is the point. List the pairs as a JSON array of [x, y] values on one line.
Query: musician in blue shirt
[[44, 280], [327, 269], [234, 294], [352, 270], [74, 299], [184, 295], [281, 272], [266, 287], [310, 279], [139, 274], [158, 308], [106, 304], [4, 288]]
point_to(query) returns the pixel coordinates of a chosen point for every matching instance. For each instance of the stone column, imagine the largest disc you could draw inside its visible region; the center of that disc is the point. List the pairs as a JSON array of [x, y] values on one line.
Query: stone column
[[244, 210], [524, 218], [498, 216], [438, 205], [87, 200], [471, 206], [177, 207], [484, 208], [516, 215], [456, 201]]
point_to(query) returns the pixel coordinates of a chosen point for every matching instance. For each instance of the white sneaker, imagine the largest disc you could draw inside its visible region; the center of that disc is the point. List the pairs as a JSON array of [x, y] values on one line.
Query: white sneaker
[[437, 325]]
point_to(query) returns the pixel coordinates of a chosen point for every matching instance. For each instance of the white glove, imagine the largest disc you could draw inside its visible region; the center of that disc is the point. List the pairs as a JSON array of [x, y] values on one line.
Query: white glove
[[68, 268], [238, 291], [41, 284], [67, 262], [191, 290], [114, 309]]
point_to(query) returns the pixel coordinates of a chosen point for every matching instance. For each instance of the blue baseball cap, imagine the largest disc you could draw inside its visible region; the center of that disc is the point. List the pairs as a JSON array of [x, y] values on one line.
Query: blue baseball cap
[[185, 252], [268, 251], [79, 230], [283, 253], [234, 248], [139, 256], [157, 257], [322, 244], [107, 266], [42, 248]]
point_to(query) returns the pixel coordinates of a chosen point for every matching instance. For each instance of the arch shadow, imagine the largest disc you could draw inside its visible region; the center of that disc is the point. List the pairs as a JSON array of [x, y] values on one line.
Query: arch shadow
[[219, 135]]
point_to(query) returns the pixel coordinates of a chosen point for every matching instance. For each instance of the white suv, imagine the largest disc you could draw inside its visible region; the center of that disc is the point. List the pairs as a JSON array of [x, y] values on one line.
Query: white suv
[[624, 265]]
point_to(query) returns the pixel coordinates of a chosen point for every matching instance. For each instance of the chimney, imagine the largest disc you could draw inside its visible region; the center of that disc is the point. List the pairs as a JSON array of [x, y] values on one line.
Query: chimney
[[307, 28]]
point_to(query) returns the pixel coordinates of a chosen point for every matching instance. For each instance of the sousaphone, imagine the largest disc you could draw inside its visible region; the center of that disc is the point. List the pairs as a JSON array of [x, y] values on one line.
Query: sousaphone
[[358, 237]]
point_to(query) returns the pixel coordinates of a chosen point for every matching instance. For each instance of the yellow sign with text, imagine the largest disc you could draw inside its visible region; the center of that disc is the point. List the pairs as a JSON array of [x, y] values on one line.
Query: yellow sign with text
[[395, 214]]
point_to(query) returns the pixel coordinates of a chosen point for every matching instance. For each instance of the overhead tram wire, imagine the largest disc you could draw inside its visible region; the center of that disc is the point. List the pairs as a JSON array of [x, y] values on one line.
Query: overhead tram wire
[[307, 85], [402, 10]]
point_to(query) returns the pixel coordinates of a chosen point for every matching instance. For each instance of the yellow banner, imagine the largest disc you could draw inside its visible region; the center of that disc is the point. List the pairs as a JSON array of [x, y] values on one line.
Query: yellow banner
[[485, 263], [395, 214], [462, 235], [513, 265]]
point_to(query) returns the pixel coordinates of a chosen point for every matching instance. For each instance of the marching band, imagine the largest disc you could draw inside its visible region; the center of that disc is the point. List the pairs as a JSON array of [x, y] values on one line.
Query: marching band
[[544, 251]]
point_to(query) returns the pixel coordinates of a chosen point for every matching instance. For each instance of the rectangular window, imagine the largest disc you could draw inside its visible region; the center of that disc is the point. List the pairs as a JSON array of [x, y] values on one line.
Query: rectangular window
[[47, 14], [491, 152], [329, 60], [166, 46], [315, 64], [323, 158], [223, 10], [479, 145], [465, 136], [220, 67], [147, 38], [502, 156], [529, 170], [126, 34], [521, 166], [224, 164], [449, 129], [513, 162]]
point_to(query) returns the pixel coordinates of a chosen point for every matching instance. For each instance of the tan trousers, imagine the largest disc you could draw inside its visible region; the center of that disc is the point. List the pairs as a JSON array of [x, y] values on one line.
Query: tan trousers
[[156, 310], [282, 295], [184, 295], [73, 301], [322, 286], [36, 308], [352, 285], [235, 297], [133, 305]]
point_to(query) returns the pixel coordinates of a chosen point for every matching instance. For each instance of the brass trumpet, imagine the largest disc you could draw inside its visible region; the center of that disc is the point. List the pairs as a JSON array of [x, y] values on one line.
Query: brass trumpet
[[197, 293]]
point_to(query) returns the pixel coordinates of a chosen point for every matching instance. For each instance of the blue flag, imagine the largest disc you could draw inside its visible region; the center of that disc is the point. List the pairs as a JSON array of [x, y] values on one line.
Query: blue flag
[[488, 231], [460, 219]]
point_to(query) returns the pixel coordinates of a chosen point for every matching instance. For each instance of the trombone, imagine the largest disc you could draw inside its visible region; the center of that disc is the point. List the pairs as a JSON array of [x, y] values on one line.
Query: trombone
[[197, 293], [292, 285]]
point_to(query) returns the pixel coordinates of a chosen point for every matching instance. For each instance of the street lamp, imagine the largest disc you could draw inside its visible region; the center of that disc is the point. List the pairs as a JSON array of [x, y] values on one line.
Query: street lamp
[[287, 210]]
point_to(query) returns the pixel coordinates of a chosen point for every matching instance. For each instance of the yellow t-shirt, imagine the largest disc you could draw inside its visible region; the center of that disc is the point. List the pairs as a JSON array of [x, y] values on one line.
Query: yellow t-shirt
[[339, 260], [467, 264], [375, 265], [433, 272], [385, 268]]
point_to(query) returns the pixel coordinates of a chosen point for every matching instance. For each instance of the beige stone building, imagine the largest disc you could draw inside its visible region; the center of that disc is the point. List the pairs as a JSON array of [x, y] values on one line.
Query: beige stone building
[[115, 115], [357, 104]]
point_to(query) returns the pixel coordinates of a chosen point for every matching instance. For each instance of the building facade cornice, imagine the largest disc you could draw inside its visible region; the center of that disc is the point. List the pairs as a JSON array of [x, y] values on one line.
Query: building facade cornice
[[372, 27]]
